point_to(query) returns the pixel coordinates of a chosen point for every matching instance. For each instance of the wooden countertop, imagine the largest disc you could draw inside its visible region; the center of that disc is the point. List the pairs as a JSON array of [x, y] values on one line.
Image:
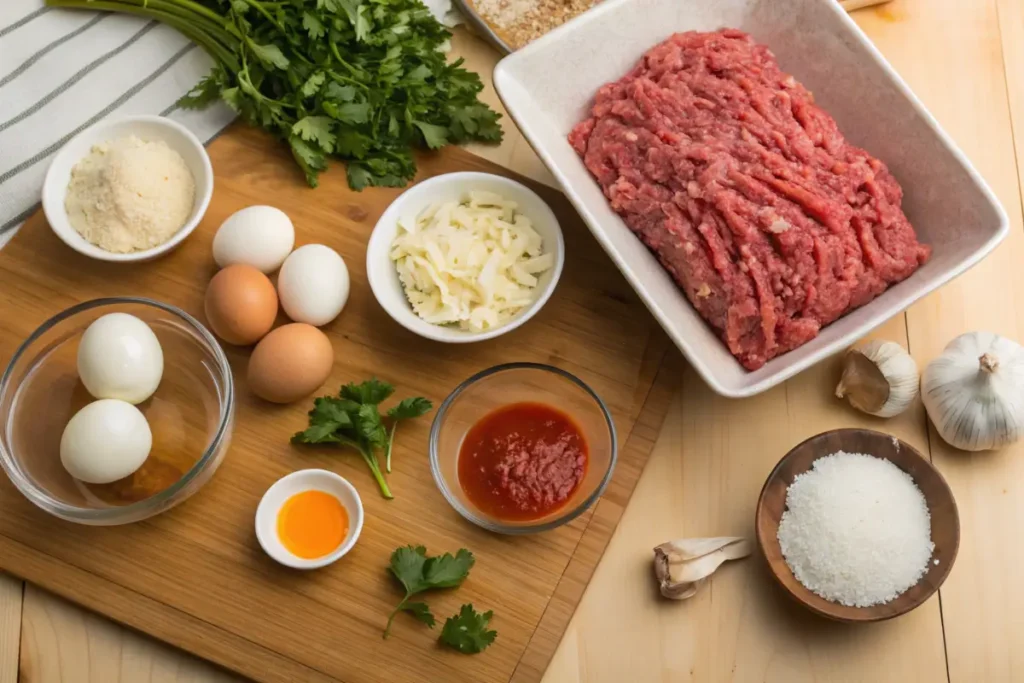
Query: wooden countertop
[[966, 61]]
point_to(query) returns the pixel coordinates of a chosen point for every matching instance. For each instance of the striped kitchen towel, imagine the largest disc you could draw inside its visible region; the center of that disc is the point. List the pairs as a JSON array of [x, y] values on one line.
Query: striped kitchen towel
[[63, 70]]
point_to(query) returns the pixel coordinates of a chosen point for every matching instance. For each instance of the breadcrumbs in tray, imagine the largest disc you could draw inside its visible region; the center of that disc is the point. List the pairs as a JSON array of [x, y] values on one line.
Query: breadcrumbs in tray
[[519, 22]]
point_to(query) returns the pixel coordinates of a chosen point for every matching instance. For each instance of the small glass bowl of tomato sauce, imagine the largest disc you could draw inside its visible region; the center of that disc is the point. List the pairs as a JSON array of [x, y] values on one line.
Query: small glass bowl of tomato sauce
[[522, 447]]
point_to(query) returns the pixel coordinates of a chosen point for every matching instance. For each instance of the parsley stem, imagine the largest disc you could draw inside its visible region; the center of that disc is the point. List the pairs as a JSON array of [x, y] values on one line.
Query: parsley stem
[[345, 79], [391, 443], [337, 55], [270, 17], [371, 461], [179, 14], [391, 617]]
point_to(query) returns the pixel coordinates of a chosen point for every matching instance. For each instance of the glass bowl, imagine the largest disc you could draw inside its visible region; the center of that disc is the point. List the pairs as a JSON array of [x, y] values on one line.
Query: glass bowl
[[190, 415], [508, 384]]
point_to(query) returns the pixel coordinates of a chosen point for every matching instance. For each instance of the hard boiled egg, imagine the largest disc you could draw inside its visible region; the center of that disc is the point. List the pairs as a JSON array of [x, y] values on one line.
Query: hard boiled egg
[[289, 363], [259, 236], [105, 441], [241, 304], [120, 357], [313, 285]]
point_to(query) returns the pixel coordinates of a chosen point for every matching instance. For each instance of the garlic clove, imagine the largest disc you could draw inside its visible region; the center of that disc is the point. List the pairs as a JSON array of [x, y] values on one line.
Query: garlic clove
[[862, 383], [879, 378], [682, 566]]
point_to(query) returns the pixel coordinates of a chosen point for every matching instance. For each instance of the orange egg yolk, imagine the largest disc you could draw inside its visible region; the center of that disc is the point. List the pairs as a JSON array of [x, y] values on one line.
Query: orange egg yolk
[[312, 524]]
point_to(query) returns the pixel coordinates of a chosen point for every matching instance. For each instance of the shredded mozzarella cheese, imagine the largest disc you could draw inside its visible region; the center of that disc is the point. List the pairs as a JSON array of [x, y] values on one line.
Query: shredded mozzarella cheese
[[473, 263]]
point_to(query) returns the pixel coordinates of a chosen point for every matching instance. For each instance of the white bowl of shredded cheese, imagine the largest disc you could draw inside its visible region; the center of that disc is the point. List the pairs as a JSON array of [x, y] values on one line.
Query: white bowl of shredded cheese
[[166, 170], [465, 257]]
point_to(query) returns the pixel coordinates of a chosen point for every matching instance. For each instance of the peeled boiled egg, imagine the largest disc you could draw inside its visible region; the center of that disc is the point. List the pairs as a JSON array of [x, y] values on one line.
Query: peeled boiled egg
[[241, 304], [290, 363], [105, 441], [313, 284], [120, 357], [259, 236]]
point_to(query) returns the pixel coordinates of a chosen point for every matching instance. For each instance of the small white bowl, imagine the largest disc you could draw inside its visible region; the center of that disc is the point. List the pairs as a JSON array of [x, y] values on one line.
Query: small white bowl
[[383, 275], [177, 137], [297, 482]]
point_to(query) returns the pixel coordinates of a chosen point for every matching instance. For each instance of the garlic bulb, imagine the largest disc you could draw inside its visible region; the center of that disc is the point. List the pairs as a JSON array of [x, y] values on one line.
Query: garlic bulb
[[974, 391], [879, 378], [683, 566]]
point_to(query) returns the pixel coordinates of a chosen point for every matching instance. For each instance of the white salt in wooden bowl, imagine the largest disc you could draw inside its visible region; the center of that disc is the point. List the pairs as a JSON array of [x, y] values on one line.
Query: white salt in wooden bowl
[[945, 520]]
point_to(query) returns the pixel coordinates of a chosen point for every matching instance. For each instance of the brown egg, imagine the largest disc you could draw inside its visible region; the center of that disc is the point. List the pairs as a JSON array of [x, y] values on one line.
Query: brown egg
[[289, 363], [241, 304]]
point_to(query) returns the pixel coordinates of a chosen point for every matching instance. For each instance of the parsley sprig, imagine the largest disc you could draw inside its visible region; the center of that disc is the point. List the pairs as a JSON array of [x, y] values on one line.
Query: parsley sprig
[[365, 81], [353, 419], [418, 573], [467, 631]]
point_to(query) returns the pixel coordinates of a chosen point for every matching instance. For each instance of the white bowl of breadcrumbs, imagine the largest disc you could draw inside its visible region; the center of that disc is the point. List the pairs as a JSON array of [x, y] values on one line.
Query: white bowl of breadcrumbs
[[169, 171]]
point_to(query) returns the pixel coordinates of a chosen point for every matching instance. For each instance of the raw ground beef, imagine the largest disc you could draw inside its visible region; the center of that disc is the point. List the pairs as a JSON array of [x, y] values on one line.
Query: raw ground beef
[[770, 221]]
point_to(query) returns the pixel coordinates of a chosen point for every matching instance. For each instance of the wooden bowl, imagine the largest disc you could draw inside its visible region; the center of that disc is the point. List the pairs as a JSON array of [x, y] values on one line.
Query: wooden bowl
[[939, 498]]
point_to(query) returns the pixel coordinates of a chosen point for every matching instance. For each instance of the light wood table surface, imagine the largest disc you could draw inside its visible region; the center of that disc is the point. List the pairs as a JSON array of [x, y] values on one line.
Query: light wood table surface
[[966, 61]]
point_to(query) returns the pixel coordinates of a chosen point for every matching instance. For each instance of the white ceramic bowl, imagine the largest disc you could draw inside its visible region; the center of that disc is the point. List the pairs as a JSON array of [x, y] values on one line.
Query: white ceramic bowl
[[383, 276], [297, 482], [177, 137], [948, 203]]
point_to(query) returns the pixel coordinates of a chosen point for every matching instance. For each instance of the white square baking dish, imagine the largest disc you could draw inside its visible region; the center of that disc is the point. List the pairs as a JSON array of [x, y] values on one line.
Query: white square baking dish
[[548, 85]]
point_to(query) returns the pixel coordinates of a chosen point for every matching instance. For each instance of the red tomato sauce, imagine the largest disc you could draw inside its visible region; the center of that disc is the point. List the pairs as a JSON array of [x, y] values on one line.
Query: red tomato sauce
[[522, 461]]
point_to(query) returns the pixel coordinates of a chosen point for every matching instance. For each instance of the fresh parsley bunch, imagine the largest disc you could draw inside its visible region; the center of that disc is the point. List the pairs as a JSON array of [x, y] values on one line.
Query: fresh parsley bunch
[[365, 81], [353, 419]]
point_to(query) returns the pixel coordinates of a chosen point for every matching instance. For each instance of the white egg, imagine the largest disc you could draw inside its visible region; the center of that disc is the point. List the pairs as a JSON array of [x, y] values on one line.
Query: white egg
[[313, 285], [120, 357], [105, 441], [259, 236]]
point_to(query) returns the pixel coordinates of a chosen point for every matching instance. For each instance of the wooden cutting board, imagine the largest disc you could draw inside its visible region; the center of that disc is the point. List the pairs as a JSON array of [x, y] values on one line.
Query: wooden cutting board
[[196, 577]]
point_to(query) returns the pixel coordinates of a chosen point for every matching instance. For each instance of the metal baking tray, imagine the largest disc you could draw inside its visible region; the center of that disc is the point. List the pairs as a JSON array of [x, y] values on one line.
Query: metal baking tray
[[481, 27]]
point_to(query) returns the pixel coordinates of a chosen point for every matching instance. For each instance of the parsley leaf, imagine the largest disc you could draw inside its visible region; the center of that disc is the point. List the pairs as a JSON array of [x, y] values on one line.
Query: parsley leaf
[[372, 391], [349, 112], [321, 432], [354, 112], [330, 409], [405, 410], [352, 418], [314, 27], [467, 631], [310, 159], [407, 565], [204, 93], [410, 407], [435, 136], [418, 572], [370, 426], [421, 612], [358, 176], [312, 84], [351, 143], [342, 93], [448, 571], [269, 54], [316, 129]]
